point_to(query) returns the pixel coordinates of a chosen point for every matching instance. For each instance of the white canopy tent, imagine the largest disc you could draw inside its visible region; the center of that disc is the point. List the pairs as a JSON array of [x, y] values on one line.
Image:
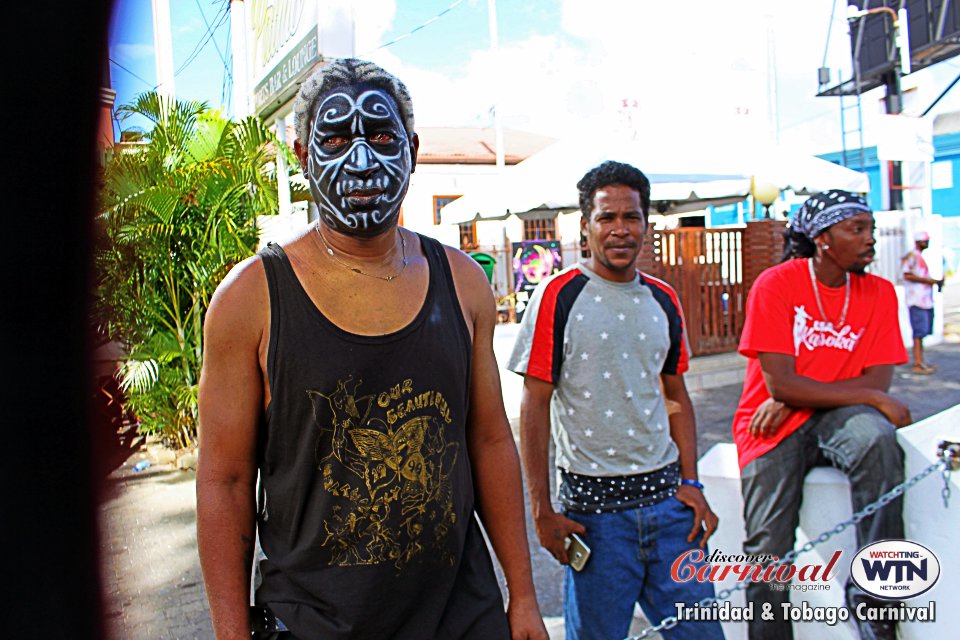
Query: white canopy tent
[[685, 175]]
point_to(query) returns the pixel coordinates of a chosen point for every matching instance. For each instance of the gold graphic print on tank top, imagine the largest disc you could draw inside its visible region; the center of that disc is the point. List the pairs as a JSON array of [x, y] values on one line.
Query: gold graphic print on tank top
[[386, 463]]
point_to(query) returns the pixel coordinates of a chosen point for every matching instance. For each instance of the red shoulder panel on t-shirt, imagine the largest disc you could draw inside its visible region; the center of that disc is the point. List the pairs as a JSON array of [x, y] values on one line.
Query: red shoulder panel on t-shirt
[[547, 333]]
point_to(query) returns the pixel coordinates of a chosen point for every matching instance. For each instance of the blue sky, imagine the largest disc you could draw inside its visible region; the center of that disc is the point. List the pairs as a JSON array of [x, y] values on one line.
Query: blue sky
[[132, 67], [745, 67], [458, 34]]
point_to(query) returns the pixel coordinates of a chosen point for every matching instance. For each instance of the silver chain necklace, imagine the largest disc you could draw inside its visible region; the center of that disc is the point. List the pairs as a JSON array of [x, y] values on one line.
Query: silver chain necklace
[[816, 294], [403, 251]]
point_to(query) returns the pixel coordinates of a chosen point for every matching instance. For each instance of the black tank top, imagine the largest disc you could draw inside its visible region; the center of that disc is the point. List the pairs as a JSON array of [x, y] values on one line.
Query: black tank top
[[366, 513]]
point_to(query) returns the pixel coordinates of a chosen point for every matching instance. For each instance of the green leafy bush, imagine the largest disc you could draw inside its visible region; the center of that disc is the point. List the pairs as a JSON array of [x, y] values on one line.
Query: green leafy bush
[[179, 207]]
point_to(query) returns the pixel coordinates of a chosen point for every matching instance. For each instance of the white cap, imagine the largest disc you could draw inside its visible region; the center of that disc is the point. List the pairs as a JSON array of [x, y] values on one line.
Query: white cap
[[921, 236]]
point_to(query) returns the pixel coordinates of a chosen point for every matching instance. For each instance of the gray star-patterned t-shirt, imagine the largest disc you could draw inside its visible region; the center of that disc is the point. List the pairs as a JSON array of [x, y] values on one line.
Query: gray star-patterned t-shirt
[[603, 345]]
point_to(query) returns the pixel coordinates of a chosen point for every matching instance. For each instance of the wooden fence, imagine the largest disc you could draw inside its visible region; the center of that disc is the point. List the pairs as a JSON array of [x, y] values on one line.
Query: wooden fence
[[705, 266]]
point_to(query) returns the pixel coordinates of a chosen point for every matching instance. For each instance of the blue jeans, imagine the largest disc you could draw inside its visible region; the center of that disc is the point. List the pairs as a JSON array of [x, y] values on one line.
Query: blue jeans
[[631, 555], [921, 321], [857, 440]]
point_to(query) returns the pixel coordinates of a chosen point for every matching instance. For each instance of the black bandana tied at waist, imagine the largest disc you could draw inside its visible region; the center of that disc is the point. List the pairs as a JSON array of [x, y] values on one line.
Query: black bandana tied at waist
[[607, 494]]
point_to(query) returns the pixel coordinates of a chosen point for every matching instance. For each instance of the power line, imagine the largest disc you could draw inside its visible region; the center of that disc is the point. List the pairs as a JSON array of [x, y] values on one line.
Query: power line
[[815, 116], [203, 43], [204, 17], [218, 22], [940, 97], [203, 40], [227, 87], [152, 86], [826, 47], [413, 31]]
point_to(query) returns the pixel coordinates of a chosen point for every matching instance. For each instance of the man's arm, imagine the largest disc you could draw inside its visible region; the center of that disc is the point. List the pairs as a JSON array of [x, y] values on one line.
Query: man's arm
[[493, 456], [552, 527], [794, 390], [771, 413], [909, 263], [877, 377], [683, 430], [910, 277], [230, 402]]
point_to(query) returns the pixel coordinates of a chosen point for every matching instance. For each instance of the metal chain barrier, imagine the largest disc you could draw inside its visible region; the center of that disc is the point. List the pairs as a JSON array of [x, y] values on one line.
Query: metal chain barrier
[[949, 452], [949, 459]]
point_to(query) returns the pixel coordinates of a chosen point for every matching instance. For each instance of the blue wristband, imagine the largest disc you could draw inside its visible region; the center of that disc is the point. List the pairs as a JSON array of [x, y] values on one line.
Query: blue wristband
[[692, 483]]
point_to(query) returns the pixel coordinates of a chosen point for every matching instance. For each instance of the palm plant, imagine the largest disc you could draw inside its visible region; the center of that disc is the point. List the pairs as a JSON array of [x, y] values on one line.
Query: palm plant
[[178, 209]]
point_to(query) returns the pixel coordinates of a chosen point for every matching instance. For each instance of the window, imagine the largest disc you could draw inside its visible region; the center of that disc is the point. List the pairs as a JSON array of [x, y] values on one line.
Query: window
[[468, 236], [942, 174], [693, 221], [439, 201], [540, 229]]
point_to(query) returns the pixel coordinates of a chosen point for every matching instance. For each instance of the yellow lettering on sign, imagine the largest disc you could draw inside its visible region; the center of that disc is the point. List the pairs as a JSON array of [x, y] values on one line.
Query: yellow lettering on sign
[[274, 22]]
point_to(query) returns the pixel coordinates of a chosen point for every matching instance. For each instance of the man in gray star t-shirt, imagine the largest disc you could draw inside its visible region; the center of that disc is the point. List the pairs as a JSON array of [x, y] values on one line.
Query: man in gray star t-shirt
[[600, 346]]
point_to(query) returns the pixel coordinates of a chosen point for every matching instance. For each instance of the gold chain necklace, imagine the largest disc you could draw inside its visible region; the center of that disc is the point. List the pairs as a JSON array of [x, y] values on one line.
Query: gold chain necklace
[[816, 294], [403, 251]]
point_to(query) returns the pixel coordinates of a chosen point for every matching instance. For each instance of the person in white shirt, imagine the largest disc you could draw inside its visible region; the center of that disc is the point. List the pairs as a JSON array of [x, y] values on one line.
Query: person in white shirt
[[918, 292]]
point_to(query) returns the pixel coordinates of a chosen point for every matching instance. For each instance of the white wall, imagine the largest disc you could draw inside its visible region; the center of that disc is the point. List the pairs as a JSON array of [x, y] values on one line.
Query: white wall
[[431, 180], [827, 502], [279, 228], [895, 230], [568, 227]]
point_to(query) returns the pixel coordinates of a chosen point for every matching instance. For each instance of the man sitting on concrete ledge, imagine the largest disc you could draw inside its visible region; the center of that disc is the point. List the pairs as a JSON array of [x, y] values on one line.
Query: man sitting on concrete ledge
[[821, 337]]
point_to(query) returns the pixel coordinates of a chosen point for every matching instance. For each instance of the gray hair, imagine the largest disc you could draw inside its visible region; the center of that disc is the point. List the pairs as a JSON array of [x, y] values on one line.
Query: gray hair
[[341, 72]]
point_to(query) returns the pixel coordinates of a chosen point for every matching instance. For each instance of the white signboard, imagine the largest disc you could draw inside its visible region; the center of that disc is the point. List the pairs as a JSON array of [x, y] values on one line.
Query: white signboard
[[286, 38], [905, 138]]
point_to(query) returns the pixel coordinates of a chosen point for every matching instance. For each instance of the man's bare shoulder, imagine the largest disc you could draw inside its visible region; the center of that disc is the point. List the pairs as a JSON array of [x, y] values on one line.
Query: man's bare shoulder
[[467, 270], [241, 299], [473, 288]]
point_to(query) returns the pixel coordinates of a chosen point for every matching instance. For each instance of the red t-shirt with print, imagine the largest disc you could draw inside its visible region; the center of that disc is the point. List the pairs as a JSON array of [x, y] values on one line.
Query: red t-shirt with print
[[783, 317]]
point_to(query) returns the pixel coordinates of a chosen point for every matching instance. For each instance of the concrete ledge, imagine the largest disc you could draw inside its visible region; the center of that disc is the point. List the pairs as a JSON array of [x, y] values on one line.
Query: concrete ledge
[[826, 502], [704, 380], [719, 370], [717, 362]]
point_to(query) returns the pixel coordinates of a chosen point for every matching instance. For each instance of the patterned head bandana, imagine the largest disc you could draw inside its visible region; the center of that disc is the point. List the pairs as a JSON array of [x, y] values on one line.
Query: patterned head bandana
[[827, 209]]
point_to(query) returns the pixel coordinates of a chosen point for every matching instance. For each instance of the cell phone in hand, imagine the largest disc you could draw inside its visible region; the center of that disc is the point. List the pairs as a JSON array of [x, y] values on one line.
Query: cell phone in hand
[[577, 551]]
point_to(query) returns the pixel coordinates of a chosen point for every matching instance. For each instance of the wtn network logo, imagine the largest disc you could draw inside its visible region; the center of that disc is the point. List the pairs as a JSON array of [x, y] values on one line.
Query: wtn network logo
[[895, 569]]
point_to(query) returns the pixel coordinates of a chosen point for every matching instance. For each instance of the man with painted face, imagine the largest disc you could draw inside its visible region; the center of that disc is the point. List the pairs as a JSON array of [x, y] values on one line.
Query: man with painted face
[[821, 338], [352, 368], [600, 348]]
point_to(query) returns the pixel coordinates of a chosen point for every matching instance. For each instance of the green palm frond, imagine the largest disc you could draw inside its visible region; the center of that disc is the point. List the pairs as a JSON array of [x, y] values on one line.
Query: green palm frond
[[205, 142], [139, 375], [177, 210]]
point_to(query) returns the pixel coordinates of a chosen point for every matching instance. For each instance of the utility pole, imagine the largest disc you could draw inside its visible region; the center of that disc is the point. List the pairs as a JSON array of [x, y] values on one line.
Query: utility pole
[[163, 47], [893, 101], [495, 49], [238, 46], [893, 105], [773, 98]]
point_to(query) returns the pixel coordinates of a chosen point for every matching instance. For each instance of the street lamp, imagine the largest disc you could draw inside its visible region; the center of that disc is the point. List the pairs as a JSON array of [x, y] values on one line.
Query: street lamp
[[766, 193]]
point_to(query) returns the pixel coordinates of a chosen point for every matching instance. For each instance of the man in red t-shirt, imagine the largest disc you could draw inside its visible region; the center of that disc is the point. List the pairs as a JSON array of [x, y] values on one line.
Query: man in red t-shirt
[[821, 338]]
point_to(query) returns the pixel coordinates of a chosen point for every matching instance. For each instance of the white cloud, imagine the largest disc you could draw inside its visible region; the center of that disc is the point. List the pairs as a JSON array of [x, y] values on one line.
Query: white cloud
[[697, 65], [675, 68], [373, 18], [193, 25], [132, 51]]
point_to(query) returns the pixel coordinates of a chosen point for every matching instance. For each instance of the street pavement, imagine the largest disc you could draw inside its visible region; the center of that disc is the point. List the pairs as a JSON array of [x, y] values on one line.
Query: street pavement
[[151, 572]]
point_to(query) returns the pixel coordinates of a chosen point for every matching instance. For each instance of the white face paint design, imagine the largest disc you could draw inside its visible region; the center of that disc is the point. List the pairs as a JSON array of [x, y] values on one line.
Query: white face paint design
[[359, 161]]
